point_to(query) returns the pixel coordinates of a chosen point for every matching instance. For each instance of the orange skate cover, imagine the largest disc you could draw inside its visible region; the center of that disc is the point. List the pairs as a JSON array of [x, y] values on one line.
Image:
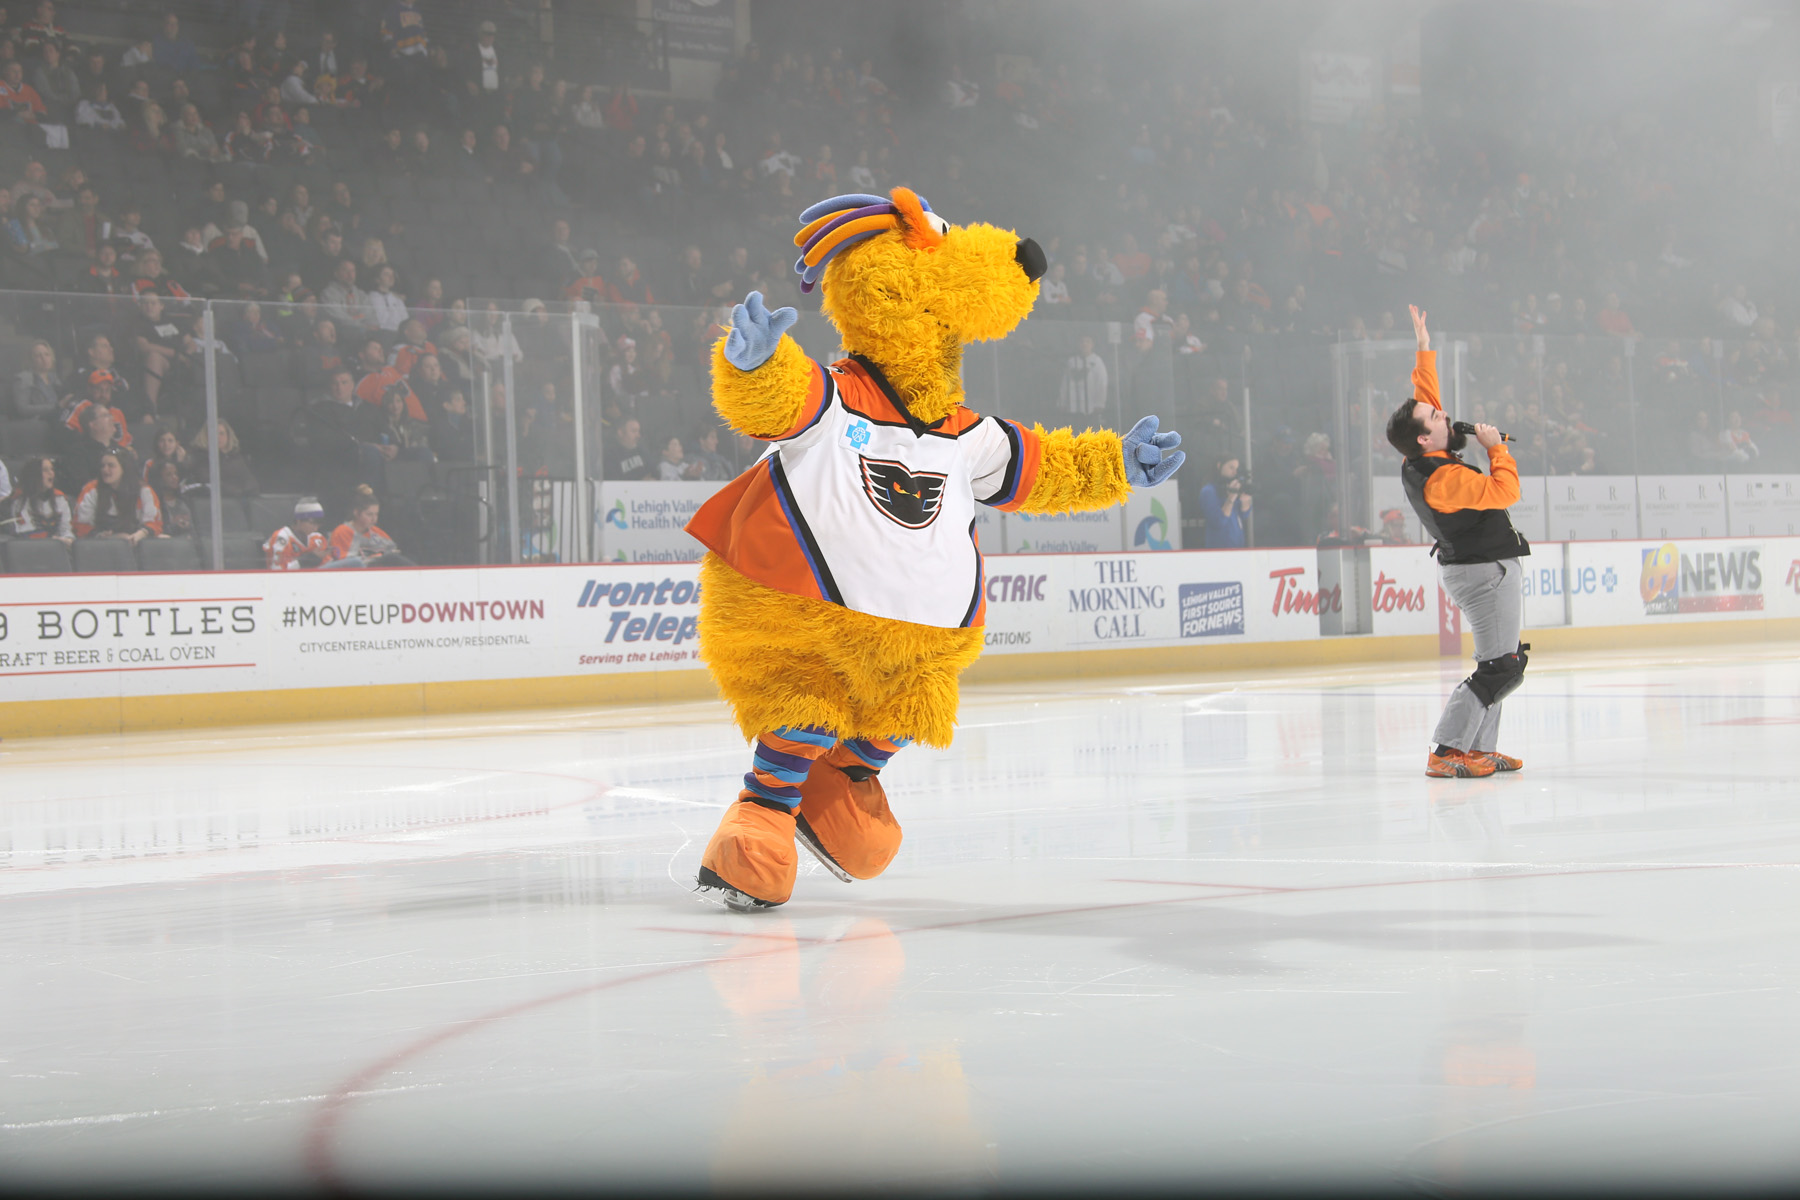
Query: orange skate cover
[[753, 850], [851, 821]]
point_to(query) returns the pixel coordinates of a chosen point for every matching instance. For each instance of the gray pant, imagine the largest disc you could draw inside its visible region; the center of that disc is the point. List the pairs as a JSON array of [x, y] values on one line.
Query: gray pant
[[1491, 596]]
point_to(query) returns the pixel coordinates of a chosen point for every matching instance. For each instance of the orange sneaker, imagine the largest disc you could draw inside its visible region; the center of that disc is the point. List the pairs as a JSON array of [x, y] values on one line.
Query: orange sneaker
[[844, 816], [751, 858], [1502, 762], [1457, 765]]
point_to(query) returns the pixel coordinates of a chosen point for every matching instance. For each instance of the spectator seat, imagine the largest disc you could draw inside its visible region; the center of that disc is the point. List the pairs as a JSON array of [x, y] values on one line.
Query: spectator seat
[[243, 552], [37, 556], [105, 556], [169, 554]]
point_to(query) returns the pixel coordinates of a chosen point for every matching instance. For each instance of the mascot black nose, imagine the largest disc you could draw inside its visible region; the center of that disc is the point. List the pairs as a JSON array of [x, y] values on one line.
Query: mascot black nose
[[1030, 256]]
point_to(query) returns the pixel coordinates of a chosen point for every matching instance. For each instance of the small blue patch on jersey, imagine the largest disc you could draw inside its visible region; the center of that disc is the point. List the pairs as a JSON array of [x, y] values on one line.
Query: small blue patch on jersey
[[858, 434]]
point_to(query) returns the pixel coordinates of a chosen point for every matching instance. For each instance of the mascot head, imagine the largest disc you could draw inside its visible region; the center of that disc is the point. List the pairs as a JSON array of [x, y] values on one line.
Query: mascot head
[[908, 290]]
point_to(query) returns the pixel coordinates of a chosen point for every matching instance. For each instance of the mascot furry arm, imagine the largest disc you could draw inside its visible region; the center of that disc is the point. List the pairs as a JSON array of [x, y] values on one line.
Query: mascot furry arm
[[842, 592]]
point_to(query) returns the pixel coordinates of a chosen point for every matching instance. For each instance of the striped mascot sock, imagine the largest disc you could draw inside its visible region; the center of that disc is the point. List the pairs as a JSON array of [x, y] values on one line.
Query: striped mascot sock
[[782, 760], [875, 752]]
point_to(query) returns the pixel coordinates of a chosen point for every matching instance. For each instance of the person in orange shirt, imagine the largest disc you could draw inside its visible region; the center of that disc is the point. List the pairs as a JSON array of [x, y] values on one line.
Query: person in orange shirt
[[592, 285], [629, 285], [360, 542], [1463, 509], [118, 504], [299, 545], [412, 346], [382, 378], [100, 392]]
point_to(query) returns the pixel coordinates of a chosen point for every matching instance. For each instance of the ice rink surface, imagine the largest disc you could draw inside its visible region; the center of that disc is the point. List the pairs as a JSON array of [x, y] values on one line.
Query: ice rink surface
[[1189, 931]]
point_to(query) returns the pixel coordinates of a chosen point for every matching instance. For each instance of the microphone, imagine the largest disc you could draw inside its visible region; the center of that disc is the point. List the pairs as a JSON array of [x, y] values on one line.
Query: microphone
[[1468, 430]]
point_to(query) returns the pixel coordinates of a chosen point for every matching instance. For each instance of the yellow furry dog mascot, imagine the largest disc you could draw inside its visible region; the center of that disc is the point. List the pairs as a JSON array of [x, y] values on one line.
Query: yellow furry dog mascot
[[842, 593]]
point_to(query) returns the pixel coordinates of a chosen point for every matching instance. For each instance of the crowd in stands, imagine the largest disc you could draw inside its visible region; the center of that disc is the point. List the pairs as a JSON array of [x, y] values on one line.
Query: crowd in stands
[[373, 186]]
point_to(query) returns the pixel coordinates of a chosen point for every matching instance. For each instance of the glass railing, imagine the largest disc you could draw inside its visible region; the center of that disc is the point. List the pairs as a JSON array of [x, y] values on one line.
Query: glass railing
[[575, 432]]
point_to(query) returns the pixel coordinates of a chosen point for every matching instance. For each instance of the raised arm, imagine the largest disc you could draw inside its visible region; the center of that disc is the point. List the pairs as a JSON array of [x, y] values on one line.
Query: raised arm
[[1424, 379], [764, 386]]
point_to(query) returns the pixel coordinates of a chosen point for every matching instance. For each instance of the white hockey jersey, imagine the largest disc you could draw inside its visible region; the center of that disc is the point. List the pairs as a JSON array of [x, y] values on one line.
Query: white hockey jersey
[[864, 505]]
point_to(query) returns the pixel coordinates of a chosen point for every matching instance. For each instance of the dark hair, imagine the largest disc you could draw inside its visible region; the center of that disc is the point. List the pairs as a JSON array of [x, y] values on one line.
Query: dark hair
[[115, 508], [34, 492], [1404, 429]]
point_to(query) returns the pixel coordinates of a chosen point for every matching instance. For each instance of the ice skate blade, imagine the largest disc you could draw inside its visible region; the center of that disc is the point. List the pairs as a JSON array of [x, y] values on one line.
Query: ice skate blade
[[714, 888], [804, 835]]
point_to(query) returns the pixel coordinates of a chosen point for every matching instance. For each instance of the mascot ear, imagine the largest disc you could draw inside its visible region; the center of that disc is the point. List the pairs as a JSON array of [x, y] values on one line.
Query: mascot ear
[[922, 228]]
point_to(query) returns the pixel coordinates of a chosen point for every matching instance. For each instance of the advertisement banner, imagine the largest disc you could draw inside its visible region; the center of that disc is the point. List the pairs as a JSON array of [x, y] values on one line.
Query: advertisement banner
[[643, 522], [91, 636], [1783, 585], [1180, 599], [1100, 532], [1084, 602], [1635, 583], [1023, 592], [1152, 520], [1681, 506], [1606, 579], [1284, 595], [1403, 586], [1127, 599], [1449, 628], [1593, 507], [1714, 578], [705, 29], [1531, 515], [1763, 505], [1338, 86], [1545, 586], [76, 636], [1211, 609]]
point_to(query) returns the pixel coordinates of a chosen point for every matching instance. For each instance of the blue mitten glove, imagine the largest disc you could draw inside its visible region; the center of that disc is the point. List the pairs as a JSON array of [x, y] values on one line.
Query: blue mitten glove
[[755, 332], [1148, 460]]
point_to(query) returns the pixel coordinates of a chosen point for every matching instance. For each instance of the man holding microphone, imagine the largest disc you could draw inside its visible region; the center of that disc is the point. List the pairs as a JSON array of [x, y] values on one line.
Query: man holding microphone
[[1478, 552]]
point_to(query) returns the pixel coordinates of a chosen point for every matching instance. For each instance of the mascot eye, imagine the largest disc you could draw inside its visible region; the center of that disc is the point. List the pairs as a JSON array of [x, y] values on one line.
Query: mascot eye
[[937, 223]]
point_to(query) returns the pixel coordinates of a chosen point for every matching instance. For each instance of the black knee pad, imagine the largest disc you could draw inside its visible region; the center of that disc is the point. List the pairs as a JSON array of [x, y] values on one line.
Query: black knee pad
[[1497, 678]]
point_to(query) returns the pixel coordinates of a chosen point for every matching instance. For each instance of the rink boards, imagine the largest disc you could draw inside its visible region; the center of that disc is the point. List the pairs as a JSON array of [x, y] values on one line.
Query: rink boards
[[103, 653]]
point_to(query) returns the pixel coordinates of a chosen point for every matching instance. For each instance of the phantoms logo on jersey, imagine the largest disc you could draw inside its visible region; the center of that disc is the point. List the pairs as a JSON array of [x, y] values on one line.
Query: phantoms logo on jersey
[[904, 497]]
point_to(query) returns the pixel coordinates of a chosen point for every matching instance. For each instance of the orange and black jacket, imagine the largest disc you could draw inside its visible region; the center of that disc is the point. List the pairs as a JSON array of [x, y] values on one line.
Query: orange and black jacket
[[1462, 508]]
